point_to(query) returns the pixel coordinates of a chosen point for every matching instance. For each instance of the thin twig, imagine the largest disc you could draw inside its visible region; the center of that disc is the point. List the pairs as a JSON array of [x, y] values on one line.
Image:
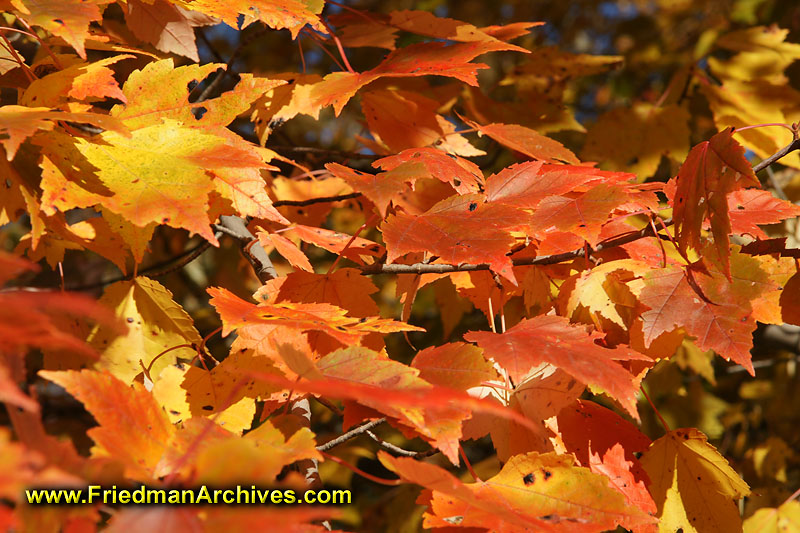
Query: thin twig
[[312, 201], [398, 450], [220, 77], [427, 268], [783, 152], [363, 428]]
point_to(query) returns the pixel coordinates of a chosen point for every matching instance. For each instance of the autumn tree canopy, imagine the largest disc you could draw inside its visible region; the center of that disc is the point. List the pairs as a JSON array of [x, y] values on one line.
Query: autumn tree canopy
[[493, 266]]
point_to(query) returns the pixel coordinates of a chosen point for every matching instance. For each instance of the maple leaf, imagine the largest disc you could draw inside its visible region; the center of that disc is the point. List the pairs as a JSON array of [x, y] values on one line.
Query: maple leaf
[[712, 170], [456, 365], [20, 122], [440, 424], [528, 142], [159, 174], [420, 59], [749, 208], [68, 19], [693, 486], [464, 176], [323, 317], [543, 489], [460, 229], [80, 81], [767, 520], [185, 392], [552, 339], [635, 138], [133, 427], [293, 15], [161, 91], [357, 249], [380, 188], [168, 27], [587, 426], [724, 323], [154, 323], [37, 318], [426, 23], [614, 466], [287, 249], [584, 214]]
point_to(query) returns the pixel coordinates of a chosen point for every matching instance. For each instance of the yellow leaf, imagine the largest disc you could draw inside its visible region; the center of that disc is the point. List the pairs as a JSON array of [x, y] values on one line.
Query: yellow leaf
[[633, 139], [155, 322], [693, 485], [169, 394], [160, 173], [600, 293], [784, 519]]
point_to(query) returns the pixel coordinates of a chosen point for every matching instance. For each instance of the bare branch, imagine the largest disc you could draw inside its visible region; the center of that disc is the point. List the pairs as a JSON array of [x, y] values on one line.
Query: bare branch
[[355, 432], [428, 268], [783, 152], [312, 201], [251, 247], [398, 450]]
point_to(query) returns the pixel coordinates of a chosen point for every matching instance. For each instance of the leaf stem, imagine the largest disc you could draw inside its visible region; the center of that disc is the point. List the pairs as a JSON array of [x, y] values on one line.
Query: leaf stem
[[663, 422]]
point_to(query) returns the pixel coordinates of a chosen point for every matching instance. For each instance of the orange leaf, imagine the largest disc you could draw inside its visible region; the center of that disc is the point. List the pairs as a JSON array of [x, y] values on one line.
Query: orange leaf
[[323, 317], [68, 19], [528, 142], [725, 325], [132, 426], [619, 471], [422, 59], [464, 176], [456, 365], [552, 339], [459, 229], [288, 250]]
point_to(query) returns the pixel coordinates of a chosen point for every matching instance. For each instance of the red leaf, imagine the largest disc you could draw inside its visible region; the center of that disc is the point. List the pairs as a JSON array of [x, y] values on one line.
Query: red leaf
[[464, 176], [712, 170], [381, 188], [460, 229], [725, 326], [552, 339], [749, 207], [586, 425], [620, 472], [420, 59]]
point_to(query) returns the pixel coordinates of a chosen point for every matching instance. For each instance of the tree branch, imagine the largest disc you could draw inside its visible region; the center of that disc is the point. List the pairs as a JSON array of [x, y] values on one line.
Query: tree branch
[[355, 432], [251, 247], [433, 268], [783, 152], [312, 201]]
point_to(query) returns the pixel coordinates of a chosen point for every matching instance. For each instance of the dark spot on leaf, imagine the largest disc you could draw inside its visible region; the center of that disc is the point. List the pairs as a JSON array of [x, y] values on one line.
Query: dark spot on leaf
[[198, 112], [58, 21], [165, 220], [129, 320], [528, 479], [473, 206], [547, 475], [208, 408], [174, 412]]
